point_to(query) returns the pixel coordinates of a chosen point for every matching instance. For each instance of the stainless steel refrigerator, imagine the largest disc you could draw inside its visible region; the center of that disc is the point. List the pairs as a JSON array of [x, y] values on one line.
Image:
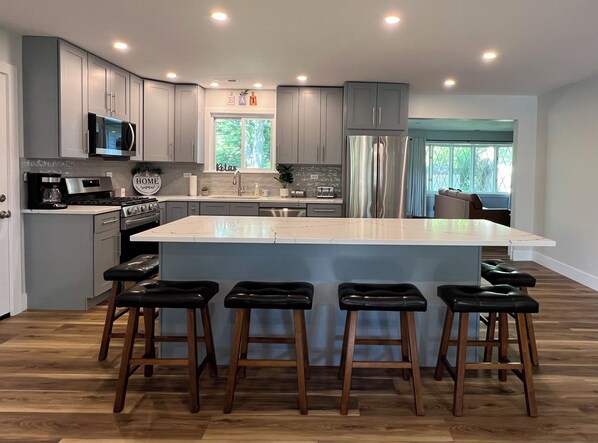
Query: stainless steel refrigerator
[[375, 176]]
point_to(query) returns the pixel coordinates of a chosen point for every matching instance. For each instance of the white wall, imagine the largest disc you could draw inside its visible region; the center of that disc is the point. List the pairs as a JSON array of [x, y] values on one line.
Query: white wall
[[10, 47], [567, 145]]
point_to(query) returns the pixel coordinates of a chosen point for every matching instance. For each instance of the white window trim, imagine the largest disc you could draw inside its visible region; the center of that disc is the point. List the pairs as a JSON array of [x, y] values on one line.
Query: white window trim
[[210, 142]]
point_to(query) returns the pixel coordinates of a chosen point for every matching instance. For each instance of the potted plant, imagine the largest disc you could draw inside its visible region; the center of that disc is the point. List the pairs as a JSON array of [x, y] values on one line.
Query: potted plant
[[205, 190], [285, 178]]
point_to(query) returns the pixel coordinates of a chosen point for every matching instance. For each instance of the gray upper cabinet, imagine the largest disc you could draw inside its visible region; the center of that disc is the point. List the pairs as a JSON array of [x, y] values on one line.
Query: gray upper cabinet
[[136, 100], [331, 125], [54, 99], [108, 89], [186, 123], [377, 106], [158, 121], [309, 149], [287, 113]]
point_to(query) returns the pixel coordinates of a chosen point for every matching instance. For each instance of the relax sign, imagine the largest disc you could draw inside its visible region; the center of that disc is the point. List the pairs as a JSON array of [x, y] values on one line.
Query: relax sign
[[146, 183]]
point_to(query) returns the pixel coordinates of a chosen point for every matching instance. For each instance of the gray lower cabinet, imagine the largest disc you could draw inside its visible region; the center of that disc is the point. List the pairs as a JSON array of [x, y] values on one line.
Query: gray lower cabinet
[[324, 210], [162, 213], [66, 256], [376, 106], [247, 209], [224, 208], [176, 211]]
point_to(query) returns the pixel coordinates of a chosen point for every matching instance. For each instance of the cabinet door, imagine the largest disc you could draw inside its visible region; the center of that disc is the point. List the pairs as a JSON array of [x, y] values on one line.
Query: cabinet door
[[245, 209], [158, 121], [120, 85], [74, 137], [392, 106], [309, 126], [361, 105], [185, 135], [324, 210], [215, 208], [162, 213], [136, 107], [331, 129], [193, 208], [106, 254], [176, 211], [287, 112], [98, 92]]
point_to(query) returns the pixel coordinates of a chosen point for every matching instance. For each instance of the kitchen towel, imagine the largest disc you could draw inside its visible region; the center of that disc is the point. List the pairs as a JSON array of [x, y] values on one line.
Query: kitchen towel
[[193, 185]]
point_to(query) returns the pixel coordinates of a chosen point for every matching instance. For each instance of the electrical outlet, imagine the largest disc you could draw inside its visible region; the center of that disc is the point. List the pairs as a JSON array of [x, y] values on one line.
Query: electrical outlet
[[186, 174], [108, 174], [313, 176]]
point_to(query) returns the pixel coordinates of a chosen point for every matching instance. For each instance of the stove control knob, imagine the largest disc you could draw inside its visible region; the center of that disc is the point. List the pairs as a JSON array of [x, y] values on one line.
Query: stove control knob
[[134, 210], [143, 208], [156, 206], [128, 211]]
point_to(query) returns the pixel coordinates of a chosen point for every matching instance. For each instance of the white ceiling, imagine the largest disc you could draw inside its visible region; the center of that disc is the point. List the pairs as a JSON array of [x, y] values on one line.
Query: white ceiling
[[542, 44]]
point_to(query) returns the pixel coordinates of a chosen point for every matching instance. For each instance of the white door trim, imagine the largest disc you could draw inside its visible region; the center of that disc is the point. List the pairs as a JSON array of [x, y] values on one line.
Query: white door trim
[[18, 299]]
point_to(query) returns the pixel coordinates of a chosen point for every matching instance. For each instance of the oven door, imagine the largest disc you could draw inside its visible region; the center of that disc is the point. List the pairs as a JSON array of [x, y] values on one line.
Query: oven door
[[131, 226]]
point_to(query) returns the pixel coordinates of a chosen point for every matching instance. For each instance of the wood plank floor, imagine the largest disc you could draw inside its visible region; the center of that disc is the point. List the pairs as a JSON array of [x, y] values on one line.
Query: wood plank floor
[[52, 388]]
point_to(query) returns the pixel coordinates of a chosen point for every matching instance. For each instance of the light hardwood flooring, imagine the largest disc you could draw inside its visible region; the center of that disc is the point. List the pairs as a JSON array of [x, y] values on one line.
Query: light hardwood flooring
[[52, 388]]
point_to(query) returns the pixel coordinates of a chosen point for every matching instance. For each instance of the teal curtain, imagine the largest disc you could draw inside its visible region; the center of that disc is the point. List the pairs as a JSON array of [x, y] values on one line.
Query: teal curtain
[[416, 177]]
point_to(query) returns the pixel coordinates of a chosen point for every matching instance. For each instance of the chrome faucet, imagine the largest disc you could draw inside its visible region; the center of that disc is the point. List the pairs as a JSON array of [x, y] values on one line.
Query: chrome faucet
[[237, 181]]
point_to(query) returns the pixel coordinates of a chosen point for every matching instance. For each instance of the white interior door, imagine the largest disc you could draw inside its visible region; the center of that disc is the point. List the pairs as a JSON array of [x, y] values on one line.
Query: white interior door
[[4, 197]]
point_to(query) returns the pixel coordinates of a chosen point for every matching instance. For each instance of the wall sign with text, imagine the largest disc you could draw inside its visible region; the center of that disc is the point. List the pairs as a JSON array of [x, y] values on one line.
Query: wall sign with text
[[147, 183]]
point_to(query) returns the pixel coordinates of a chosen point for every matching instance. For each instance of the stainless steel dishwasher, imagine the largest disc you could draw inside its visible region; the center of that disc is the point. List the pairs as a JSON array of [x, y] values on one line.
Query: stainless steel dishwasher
[[293, 209]]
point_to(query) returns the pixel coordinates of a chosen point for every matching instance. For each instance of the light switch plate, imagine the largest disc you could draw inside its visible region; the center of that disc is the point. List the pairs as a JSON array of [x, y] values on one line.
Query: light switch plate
[[108, 174], [186, 174], [313, 176]]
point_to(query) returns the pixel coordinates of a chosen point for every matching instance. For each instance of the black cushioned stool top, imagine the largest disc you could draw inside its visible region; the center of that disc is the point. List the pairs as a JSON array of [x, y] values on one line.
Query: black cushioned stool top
[[270, 295], [499, 298], [498, 272], [380, 297], [139, 268], [168, 294]]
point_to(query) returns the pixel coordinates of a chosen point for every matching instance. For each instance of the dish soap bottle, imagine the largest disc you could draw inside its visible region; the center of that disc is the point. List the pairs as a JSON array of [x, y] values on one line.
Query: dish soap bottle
[[256, 190]]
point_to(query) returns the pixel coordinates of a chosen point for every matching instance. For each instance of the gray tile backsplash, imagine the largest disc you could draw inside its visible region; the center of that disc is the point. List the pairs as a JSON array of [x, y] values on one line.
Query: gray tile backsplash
[[306, 177]]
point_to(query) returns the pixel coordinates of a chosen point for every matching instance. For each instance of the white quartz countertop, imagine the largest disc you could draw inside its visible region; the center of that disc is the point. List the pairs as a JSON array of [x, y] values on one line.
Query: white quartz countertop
[[358, 231], [247, 198], [74, 210]]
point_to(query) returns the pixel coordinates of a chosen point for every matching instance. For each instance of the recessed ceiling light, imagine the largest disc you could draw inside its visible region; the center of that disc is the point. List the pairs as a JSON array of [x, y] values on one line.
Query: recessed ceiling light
[[489, 55], [392, 19], [449, 83], [214, 84], [220, 16], [120, 45], [302, 78], [257, 85], [171, 75]]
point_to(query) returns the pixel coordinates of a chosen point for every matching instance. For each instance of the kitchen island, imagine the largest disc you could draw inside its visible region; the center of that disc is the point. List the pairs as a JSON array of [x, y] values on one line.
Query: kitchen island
[[326, 252]]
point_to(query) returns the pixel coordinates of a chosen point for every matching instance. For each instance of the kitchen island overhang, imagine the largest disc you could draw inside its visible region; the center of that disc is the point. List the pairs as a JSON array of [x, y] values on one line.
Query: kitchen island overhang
[[326, 252]]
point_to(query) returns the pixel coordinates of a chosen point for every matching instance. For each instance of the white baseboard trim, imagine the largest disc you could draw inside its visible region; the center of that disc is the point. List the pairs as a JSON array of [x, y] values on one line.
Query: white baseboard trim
[[579, 276]]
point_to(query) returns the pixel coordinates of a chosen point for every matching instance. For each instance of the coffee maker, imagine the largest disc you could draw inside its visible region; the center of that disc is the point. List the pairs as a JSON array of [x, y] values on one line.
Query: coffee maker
[[43, 191]]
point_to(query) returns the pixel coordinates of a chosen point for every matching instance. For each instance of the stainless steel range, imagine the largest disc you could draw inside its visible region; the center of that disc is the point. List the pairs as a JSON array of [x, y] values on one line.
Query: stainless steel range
[[137, 214]]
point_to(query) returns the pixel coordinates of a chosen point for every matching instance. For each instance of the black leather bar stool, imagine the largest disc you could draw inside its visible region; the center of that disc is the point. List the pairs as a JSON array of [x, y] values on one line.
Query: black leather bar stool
[[248, 295], [135, 270], [152, 294], [403, 298], [499, 272], [501, 299]]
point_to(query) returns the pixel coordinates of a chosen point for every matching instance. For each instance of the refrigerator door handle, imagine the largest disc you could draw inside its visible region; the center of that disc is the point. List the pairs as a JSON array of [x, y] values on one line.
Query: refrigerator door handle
[[375, 167], [381, 183]]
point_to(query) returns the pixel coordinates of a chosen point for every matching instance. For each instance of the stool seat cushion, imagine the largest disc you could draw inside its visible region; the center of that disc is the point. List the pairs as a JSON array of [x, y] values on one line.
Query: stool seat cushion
[[139, 268], [270, 295], [498, 298], [499, 272], [380, 297], [168, 294]]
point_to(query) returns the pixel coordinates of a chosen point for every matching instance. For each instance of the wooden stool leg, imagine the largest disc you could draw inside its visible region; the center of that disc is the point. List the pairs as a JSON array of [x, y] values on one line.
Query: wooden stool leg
[[417, 388], [298, 321], [350, 351], [527, 377], [123, 376], [460, 365], [531, 334], [341, 366], [503, 346], [234, 361], [245, 341], [150, 345], [490, 335], [444, 343], [108, 323], [192, 357], [305, 351], [209, 339], [405, 343]]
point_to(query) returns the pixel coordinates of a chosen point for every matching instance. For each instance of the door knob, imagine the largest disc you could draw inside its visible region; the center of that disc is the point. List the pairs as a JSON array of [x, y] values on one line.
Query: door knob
[[5, 214], [2, 198]]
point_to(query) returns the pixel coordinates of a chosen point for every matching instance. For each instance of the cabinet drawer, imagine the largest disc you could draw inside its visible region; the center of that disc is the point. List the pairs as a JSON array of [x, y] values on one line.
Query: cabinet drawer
[[324, 210], [106, 222], [209, 208]]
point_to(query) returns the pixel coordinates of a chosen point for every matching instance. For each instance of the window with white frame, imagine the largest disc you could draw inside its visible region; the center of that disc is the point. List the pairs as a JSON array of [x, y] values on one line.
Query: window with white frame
[[471, 167], [242, 142]]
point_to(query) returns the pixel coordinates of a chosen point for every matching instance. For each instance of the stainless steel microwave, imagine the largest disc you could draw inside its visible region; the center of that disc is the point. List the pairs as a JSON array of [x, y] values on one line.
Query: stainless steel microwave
[[111, 137]]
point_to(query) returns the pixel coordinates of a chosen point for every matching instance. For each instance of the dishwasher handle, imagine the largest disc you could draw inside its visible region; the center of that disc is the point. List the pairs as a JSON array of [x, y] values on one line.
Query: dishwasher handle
[[282, 212]]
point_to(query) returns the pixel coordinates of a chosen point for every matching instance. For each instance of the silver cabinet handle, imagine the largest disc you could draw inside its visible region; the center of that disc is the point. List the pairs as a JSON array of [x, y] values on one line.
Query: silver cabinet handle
[[86, 142], [317, 153], [108, 103], [114, 103], [380, 116], [170, 153], [109, 222], [324, 210], [374, 116], [118, 239], [323, 153]]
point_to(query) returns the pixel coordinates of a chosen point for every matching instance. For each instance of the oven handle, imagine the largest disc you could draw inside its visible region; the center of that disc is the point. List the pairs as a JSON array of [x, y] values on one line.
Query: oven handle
[[133, 223]]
